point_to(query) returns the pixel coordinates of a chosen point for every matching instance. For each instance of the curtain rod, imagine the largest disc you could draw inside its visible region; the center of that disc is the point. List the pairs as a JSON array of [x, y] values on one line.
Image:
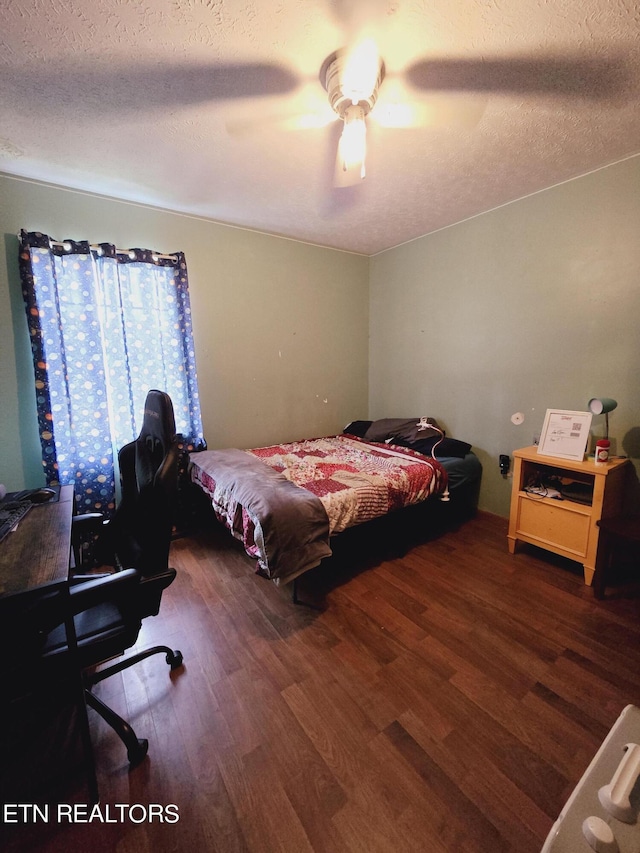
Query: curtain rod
[[96, 248]]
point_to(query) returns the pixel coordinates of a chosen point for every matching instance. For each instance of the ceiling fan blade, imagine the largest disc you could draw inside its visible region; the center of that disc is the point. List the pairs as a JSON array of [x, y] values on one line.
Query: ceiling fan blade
[[454, 110], [286, 121], [551, 75], [234, 80], [148, 85], [357, 17]]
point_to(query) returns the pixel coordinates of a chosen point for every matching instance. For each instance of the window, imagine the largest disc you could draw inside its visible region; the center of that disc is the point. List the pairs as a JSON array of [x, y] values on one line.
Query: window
[[106, 326]]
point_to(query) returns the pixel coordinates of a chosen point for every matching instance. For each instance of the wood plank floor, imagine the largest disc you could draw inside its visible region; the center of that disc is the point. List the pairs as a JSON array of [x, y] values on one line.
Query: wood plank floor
[[443, 699]]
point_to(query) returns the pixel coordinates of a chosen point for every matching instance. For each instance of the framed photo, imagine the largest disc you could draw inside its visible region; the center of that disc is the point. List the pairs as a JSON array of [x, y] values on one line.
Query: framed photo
[[565, 434]]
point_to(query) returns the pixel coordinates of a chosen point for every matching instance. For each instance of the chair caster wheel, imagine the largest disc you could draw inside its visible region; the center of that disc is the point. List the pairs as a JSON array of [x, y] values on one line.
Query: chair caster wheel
[[174, 659], [135, 756]]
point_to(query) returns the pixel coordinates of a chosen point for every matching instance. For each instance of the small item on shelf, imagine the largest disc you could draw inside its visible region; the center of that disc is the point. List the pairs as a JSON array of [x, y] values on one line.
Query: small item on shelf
[[579, 492], [544, 485], [602, 451]]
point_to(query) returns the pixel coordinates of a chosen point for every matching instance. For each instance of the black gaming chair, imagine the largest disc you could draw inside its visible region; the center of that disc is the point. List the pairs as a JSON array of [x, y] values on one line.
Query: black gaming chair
[[109, 608]]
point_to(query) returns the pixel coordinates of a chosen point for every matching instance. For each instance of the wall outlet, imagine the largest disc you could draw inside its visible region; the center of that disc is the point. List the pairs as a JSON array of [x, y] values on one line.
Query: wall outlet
[[536, 438]]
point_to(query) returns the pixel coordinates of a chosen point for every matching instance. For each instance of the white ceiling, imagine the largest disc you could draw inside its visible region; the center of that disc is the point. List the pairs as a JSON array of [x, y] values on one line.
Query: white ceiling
[[177, 104]]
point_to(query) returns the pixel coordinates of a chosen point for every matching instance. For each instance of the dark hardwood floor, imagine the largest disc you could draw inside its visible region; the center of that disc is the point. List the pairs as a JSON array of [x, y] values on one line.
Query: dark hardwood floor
[[443, 699]]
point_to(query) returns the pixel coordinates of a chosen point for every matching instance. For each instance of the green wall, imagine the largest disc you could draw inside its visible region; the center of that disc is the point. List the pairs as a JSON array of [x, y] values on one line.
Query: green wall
[[280, 327], [530, 306]]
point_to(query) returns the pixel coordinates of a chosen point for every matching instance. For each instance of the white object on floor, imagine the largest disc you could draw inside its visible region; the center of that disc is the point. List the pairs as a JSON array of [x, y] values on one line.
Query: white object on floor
[[602, 812]]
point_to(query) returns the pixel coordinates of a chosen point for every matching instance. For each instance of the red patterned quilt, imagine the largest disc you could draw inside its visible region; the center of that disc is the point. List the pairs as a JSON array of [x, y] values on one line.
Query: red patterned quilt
[[356, 480], [284, 502]]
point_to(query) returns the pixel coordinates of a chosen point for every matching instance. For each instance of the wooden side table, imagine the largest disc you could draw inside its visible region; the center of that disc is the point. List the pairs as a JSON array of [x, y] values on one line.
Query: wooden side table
[[564, 526]]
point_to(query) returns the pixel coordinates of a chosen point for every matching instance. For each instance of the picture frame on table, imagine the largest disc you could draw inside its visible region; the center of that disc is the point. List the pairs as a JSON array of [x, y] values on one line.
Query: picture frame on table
[[565, 434]]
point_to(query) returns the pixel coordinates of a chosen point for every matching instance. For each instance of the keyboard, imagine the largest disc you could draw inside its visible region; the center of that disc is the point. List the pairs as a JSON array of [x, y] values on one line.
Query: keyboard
[[11, 513]]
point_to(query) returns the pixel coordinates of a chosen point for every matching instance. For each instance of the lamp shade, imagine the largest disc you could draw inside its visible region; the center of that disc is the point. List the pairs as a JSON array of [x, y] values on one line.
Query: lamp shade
[[602, 405]]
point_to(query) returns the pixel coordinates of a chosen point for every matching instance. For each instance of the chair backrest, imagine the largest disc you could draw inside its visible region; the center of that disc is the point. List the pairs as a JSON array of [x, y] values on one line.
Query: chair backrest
[[143, 521], [155, 445]]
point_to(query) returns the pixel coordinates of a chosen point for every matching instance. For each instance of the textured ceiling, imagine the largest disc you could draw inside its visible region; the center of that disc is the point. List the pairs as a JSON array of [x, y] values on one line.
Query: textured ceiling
[[187, 105]]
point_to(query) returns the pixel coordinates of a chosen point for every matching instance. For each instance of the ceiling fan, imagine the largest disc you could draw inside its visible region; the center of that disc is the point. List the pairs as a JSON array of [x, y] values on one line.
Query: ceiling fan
[[352, 79], [458, 92]]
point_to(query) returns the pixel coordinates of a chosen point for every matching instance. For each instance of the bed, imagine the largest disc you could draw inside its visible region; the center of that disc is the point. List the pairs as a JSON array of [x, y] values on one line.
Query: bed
[[286, 502]]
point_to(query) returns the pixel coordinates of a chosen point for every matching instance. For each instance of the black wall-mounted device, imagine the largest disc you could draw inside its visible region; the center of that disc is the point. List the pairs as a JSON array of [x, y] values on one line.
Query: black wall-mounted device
[[504, 464]]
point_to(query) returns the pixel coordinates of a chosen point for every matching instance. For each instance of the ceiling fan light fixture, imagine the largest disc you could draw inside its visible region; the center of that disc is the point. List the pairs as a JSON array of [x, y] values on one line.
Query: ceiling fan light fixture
[[352, 80], [353, 142], [360, 71], [345, 87]]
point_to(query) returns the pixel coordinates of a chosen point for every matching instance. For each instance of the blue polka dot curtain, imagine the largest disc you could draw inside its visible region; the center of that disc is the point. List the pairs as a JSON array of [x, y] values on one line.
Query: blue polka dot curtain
[[106, 326]]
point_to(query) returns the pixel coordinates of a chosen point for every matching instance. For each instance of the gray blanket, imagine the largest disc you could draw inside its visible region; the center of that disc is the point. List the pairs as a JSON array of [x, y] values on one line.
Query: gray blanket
[[291, 525]]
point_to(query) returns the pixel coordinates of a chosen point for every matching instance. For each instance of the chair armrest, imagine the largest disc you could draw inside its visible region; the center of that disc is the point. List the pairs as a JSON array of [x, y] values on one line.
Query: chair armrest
[[116, 586], [162, 579], [89, 521], [150, 591], [74, 580]]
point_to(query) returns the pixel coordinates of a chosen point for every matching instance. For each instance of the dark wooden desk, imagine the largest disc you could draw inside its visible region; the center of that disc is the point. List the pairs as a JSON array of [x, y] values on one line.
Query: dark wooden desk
[[37, 554]]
